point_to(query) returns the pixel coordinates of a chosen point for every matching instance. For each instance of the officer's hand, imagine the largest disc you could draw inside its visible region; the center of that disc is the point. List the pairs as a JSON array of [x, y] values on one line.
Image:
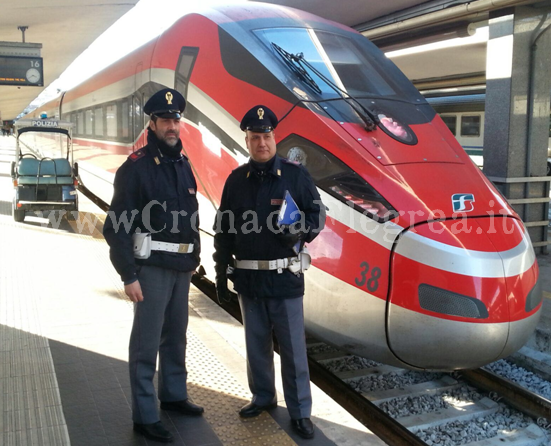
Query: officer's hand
[[290, 236], [222, 291], [134, 291]]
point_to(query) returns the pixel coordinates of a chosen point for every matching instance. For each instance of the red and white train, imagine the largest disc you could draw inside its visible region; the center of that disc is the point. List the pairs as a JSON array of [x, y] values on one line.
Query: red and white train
[[422, 264]]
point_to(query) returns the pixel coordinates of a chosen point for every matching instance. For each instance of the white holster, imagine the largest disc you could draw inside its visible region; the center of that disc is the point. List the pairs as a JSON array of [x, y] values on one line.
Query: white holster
[[141, 242], [300, 263]]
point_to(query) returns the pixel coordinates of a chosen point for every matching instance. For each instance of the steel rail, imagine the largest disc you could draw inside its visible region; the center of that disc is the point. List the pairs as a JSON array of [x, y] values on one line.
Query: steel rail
[[513, 394], [367, 413]]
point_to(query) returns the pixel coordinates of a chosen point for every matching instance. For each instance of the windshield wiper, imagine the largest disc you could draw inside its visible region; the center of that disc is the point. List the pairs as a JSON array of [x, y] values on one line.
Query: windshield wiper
[[294, 63], [297, 62]]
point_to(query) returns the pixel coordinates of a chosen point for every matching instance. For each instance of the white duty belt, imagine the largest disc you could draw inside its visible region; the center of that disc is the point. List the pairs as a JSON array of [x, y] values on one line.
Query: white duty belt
[[296, 265], [180, 248], [266, 265], [143, 245]]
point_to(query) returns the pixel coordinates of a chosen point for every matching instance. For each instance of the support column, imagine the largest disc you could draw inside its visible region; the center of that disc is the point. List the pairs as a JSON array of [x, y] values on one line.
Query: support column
[[516, 131]]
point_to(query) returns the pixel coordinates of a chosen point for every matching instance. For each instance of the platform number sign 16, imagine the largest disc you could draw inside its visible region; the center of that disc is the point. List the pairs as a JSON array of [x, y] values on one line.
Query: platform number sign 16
[[369, 278]]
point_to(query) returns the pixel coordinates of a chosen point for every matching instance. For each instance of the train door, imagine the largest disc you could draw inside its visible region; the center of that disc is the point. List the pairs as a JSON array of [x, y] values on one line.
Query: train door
[[137, 110]]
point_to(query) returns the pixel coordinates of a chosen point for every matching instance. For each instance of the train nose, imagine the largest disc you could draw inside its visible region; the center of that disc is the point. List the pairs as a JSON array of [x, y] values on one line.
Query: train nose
[[476, 292]]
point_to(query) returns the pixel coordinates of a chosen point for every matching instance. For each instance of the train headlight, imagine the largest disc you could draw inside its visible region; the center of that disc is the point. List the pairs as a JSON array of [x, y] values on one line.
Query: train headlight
[[355, 192], [336, 178], [396, 129]]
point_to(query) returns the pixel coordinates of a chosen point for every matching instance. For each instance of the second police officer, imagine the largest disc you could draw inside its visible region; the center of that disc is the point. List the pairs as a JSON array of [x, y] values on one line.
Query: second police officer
[[155, 190], [270, 294]]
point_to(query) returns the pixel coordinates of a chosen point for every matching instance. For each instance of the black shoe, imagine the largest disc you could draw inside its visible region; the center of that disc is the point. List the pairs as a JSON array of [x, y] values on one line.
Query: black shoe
[[155, 431], [304, 427], [252, 410], [185, 407]]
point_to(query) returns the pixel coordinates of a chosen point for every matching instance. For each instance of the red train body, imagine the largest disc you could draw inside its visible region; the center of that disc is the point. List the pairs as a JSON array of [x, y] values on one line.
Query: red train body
[[422, 264]]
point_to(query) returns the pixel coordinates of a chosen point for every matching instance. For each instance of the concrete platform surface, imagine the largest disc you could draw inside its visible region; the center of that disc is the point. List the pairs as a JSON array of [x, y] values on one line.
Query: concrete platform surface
[[64, 329]]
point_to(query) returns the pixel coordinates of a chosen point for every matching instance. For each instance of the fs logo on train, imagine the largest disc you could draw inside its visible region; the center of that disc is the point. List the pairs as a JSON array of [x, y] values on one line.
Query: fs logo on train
[[463, 202]]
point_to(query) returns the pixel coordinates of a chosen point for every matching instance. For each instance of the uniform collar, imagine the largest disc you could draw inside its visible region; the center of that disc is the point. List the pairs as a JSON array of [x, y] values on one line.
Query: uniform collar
[[274, 170], [154, 146]]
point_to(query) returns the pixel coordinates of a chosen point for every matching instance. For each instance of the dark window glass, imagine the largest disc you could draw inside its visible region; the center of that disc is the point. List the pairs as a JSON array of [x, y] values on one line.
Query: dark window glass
[[98, 118], [80, 123], [111, 120], [125, 119], [184, 69], [470, 125], [451, 122], [88, 122]]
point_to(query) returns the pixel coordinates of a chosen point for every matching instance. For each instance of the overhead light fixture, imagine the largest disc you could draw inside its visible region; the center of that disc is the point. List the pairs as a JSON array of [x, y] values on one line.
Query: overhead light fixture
[[480, 36]]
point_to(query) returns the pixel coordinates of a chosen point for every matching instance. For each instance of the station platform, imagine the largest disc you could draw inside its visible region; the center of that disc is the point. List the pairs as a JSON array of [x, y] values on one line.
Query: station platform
[[64, 329]]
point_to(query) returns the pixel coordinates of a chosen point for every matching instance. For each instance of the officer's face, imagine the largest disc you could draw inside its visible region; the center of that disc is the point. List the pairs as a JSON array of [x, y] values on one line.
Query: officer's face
[[262, 146], [167, 130]]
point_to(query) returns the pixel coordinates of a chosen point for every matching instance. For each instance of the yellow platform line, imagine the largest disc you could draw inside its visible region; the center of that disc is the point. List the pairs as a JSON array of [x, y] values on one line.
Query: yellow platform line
[[211, 385]]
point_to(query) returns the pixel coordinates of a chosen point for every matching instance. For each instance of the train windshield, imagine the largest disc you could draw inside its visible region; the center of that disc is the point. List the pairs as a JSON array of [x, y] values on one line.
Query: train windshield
[[331, 64]]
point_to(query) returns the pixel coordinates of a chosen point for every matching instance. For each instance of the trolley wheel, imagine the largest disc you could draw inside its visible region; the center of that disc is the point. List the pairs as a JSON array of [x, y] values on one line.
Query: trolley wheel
[[18, 215]]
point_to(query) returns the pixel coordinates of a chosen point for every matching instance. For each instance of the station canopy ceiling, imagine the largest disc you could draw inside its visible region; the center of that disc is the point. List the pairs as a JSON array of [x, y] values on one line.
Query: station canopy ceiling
[[65, 28]]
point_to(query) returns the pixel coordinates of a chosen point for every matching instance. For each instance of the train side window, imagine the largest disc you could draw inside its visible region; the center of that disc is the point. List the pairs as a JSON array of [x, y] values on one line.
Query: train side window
[[337, 179], [88, 122], [111, 120], [80, 123], [451, 123], [470, 125], [125, 119], [187, 58], [98, 117]]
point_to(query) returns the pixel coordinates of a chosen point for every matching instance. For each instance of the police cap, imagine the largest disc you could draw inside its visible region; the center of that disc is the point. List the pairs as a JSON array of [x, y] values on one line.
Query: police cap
[[166, 103], [259, 119]]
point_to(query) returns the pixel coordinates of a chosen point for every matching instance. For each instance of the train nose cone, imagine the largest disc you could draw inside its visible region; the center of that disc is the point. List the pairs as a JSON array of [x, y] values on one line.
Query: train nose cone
[[466, 290]]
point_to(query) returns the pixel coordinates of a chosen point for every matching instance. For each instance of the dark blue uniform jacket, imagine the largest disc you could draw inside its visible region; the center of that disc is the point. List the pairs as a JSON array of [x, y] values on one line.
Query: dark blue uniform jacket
[[158, 195], [246, 194]]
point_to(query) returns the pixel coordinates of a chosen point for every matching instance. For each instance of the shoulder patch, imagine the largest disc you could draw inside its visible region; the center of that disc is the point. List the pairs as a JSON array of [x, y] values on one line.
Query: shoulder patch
[[137, 155]]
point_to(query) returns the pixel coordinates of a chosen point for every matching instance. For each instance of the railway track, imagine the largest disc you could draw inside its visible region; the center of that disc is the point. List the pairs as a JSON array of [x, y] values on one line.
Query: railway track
[[487, 396], [463, 404]]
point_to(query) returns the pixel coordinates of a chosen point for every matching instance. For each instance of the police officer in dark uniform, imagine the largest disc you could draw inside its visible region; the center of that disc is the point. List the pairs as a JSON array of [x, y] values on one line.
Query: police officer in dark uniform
[[155, 194], [262, 256]]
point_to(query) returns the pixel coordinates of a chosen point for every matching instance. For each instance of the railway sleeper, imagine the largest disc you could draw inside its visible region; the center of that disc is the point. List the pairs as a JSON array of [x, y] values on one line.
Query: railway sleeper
[[531, 435], [533, 360], [464, 412], [354, 375], [329, 356], [426, 388]]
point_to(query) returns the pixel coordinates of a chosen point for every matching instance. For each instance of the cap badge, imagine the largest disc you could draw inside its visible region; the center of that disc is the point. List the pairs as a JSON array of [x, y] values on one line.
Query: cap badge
[[260, 113], [169, 97]]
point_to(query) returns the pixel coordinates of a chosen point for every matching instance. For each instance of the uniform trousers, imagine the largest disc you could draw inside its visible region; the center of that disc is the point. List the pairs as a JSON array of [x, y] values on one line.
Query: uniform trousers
[[286, 318], [160, 324]]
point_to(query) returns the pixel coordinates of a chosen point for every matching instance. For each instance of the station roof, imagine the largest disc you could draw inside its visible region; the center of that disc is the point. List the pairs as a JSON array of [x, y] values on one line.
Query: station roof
[[400, 24], [65, 28]]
